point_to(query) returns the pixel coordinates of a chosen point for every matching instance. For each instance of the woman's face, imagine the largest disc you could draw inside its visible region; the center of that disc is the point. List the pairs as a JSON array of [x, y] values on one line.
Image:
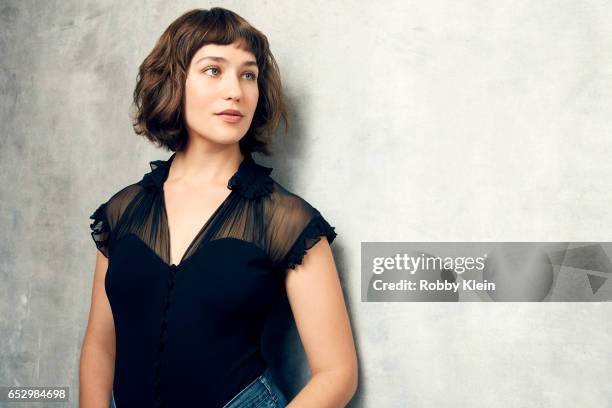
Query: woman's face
[[219, 78]]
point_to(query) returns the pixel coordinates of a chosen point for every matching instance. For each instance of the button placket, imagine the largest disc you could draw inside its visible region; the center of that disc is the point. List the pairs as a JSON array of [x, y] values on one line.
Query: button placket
[[172, 269]]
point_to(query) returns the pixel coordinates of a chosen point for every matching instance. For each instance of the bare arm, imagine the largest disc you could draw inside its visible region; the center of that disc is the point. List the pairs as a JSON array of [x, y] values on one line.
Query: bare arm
[[316, 299], [97, 366]]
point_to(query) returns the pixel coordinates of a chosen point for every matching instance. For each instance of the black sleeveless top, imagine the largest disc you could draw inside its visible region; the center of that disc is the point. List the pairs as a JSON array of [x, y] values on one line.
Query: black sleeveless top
[[188, 335]]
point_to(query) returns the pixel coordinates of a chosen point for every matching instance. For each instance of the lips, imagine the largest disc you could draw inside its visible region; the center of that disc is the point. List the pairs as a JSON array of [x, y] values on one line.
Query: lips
[[230, 112], [230, 116]]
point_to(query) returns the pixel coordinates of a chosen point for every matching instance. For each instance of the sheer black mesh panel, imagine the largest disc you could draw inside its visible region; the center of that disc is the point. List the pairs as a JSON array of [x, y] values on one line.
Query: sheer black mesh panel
[[281, 223]]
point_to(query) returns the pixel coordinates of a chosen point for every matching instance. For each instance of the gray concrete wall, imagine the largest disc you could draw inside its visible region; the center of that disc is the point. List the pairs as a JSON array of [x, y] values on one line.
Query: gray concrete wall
[[412, 121]]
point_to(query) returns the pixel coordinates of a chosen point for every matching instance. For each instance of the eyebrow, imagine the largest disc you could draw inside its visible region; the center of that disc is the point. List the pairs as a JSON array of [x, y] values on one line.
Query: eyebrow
[[221, 59]]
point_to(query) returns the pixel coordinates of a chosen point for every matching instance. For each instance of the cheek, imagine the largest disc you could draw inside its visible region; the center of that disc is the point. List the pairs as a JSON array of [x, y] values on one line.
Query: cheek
[[253, 99], [197, 95]]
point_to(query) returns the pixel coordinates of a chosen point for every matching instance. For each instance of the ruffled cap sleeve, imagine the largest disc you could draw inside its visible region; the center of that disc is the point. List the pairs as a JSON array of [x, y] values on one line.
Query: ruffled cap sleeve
[[100, 228], [296, 227], [106, 218], [310, 235]]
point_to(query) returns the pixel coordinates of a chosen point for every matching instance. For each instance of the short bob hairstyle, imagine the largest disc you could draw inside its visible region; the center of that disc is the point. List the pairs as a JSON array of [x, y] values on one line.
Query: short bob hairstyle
[[160, 83]]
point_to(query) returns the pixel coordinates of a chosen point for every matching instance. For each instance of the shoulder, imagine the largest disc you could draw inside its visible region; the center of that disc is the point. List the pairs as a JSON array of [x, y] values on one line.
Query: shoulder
[[285, 209], [288, 202], [149, 184], [112, 209], [294, 225], [125, 192], [116, 203], [106, 216], [122, 197]]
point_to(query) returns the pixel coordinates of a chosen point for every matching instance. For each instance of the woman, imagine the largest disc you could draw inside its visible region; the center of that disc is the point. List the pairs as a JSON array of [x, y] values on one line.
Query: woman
[[192, 257]]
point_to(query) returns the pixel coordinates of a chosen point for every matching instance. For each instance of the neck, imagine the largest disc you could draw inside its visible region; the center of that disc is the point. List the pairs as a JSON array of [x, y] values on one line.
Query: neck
[[206, 165]]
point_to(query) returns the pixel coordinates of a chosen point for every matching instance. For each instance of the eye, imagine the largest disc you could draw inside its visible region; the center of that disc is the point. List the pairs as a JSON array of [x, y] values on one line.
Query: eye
[[253, 75], [209, 68]]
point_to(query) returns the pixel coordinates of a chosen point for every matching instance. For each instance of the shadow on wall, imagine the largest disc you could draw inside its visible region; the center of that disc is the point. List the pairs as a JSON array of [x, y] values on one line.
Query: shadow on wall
[[281, 343]]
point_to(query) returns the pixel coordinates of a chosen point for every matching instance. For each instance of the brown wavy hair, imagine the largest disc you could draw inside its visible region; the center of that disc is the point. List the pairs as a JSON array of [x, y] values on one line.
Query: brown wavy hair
[[160, 83]]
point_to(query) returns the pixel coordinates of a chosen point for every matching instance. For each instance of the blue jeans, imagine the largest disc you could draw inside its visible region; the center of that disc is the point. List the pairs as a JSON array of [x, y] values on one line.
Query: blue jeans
[[262, 392]]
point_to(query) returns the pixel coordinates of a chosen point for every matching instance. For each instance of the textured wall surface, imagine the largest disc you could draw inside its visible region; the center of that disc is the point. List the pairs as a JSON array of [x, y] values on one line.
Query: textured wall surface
[[412, 121]]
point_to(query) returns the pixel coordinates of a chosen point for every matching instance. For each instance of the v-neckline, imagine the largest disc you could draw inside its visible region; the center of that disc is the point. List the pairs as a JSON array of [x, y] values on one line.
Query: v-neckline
[[197, 235], [202, 228]]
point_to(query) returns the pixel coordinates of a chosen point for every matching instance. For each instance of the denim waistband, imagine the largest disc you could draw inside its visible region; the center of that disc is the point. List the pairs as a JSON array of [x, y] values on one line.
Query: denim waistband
[[251, 393], [256, 390]]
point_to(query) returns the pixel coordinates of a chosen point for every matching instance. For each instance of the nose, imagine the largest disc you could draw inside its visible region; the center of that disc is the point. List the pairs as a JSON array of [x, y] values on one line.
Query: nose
[[232, 87]]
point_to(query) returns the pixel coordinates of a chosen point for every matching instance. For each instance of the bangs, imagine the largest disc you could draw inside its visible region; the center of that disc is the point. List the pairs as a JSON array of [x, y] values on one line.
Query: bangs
[[223, 29]]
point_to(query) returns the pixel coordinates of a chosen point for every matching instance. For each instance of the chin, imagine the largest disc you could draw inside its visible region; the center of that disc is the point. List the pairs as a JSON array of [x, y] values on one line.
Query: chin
[[221, 135], [226, 139]]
